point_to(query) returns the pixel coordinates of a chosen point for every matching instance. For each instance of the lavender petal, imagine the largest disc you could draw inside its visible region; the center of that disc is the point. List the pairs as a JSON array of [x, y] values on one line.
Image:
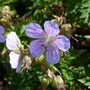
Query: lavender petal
[[12, 41], [14, 59], [1, 29], [52, 54], [36, 48], [51, 27], [62, 42], [34, 30], [2, 39]]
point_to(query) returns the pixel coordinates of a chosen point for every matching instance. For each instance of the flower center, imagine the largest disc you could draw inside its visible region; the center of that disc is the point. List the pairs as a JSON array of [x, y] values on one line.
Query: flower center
[[48, 40]]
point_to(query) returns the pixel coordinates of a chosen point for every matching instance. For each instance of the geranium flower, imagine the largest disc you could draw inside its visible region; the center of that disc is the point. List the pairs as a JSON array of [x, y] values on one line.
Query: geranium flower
[[2, 38], [48, 40], [13, 44]]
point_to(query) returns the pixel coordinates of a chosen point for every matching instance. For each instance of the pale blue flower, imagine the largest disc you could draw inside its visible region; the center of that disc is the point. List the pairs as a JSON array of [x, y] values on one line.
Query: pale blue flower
[[48, 40]]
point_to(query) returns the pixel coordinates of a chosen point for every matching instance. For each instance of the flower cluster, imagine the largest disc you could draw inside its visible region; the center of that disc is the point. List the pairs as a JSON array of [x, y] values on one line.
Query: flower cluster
[[48, 40]]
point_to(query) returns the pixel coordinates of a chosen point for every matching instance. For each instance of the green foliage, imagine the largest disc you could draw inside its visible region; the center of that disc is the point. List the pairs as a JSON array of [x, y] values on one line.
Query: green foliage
[[75, 70], [85, 81], [78, 10]]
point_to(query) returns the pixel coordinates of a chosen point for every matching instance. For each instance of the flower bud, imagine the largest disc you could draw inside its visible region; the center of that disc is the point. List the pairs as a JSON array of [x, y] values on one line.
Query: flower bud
[[45, 82], [5, 16], [26, 62], [57, 80], [66, 29], [6, 9]]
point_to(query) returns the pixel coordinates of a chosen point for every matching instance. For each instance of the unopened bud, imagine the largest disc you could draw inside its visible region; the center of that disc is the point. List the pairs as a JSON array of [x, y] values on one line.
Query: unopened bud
[[66, 29], [57, 81], [6, 9], [45, 82], [26, 62]]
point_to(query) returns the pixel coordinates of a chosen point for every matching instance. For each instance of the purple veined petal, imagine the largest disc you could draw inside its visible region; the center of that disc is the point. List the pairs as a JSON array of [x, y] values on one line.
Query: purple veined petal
[[2, 39], [51, 28], [62, 42], [12, 41], [36, 48], [14, 59], [34, 30], [1, 29], [52, 54]]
